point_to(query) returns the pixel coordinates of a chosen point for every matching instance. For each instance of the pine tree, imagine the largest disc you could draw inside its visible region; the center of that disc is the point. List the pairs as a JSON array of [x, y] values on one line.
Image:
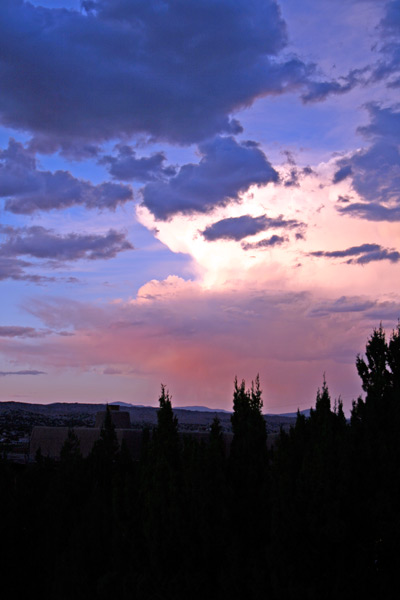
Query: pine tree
[[166, 436], [248, 454], [108, 436], [161, 498], [374, 372], [248, 461], [71, 452]]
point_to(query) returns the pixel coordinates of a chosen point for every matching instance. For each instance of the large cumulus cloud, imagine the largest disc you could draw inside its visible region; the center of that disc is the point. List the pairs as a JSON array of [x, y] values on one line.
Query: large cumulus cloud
[[226, 170], [28, 189], [175, 70]]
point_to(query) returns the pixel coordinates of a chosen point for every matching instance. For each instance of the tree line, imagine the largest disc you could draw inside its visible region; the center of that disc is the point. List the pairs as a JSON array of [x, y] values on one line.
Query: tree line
[[316, 516]]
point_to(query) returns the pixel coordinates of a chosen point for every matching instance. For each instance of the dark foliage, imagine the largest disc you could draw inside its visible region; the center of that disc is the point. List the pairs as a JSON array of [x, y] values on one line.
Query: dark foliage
[[316, 517]]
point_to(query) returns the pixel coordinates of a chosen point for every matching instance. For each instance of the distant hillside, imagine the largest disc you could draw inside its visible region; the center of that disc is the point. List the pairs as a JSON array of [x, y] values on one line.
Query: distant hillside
[[305, 412], [23, 416]]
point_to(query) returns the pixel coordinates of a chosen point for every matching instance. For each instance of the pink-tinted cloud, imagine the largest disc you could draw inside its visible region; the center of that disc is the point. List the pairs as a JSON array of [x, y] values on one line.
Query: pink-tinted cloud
[[196, 341]]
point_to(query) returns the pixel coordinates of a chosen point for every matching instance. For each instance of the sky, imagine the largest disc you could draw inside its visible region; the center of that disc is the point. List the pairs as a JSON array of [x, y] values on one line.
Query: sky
[[193, 190]]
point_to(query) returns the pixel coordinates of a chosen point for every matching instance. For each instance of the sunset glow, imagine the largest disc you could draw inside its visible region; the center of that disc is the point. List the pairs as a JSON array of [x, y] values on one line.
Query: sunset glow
[[192, 202]]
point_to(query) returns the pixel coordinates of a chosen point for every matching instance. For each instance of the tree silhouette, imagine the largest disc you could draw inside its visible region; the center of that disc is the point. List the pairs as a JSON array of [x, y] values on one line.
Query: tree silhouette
[[161, 495], [248, 476], [248, 455], [70, 452]]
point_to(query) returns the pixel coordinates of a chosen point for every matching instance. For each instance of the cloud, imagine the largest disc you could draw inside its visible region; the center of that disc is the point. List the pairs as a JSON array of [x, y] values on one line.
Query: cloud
[[111, 371], [12, 331], [342, 173], [344, 304], [295, 174], [388, 67], [235, 228], [226, 170], [41, 243], [173, 70], [28, 189], [5, 373], [363, 254], [274, 240], [318, 91], [384, 122], [197, 339], [372, 211], [125, 166], [355, 306], [381, 254], [12, 268], [375, 170]]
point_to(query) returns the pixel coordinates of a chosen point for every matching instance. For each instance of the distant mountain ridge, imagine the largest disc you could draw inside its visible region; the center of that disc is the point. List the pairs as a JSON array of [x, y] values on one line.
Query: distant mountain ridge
[[190, 418], [305, 412], [192, 408]]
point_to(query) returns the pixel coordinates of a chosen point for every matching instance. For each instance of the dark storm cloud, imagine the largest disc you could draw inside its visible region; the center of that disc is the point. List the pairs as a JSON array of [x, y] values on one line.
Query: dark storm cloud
[[127, 167], [27, 189], [237, 228], [175, 70], [274, 240], [42, 243], [227, 169], [4, 373], [375, 170], [361, 255]]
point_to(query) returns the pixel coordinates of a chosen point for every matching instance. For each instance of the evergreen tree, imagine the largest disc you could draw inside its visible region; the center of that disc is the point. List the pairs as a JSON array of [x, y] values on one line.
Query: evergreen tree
[[166, 436], [374, 372], [108, 437], [161, 495], [248, 455], [248, 474], [71, 452], [375, 424]]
